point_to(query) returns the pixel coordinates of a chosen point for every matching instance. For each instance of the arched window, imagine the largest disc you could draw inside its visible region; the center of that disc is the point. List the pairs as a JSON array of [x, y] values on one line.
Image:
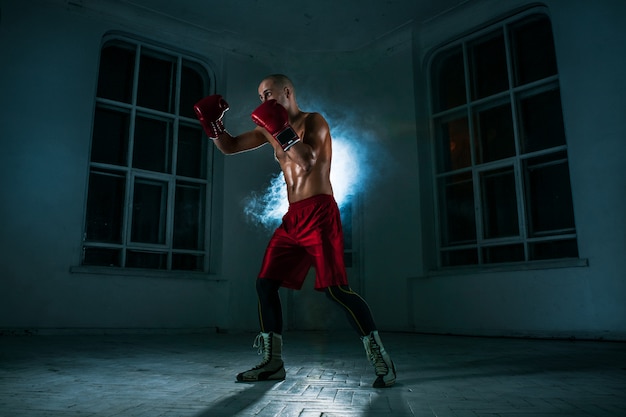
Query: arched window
[[500, 152], [149, 175]]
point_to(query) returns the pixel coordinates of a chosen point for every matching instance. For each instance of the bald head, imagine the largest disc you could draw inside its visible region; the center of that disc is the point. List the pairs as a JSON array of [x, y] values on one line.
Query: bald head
[[280, 82], [280, 88]]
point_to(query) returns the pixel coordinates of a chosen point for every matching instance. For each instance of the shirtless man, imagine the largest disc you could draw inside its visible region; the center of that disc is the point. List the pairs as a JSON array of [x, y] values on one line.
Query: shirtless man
[[310, 234]]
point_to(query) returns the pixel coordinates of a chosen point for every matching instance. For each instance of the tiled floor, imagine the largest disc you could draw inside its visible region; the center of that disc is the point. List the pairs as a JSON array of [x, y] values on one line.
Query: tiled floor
[[327, 375]]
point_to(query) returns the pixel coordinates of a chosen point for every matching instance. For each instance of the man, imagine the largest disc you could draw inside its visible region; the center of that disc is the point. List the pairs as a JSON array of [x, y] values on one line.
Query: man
[[310, 234]]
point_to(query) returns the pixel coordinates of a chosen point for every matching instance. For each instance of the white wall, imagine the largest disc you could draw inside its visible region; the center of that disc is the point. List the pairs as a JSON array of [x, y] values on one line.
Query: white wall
[[584, 301], [50, 52]]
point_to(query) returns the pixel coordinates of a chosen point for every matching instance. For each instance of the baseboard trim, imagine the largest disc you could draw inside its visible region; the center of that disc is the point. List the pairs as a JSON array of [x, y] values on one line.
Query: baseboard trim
[[32, 331]]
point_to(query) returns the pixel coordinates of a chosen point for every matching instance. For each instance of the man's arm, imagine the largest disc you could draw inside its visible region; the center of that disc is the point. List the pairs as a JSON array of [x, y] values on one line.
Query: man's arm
[[274, 119], [306, 152], [247, 141], [210, 111]]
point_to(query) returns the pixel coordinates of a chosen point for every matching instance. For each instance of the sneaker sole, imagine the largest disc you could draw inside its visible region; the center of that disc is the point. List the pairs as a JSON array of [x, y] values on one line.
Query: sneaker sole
[[263, 376], [380, 381]]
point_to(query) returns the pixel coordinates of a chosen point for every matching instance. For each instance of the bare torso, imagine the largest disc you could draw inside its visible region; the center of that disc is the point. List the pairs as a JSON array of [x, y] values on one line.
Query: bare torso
[[305, 165]]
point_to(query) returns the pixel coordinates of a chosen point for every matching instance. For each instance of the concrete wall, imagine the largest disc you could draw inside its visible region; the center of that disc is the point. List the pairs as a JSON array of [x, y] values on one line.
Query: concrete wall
[[50, 52]]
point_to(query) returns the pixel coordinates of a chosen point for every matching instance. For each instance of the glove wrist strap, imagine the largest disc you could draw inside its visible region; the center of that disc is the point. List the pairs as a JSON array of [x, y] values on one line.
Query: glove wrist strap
[[287, 138]]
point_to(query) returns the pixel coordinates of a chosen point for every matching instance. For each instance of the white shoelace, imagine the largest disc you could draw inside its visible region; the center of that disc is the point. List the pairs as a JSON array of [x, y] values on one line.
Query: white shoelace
[[258, 343], [263, 348], [376, 357]]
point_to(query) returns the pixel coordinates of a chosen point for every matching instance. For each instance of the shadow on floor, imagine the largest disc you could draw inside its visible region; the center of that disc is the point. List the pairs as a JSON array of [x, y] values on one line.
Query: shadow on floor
[[250, 395]]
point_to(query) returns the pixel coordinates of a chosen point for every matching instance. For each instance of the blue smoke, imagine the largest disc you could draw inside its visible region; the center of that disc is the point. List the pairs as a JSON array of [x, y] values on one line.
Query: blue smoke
[[351, 167], [267, 208]]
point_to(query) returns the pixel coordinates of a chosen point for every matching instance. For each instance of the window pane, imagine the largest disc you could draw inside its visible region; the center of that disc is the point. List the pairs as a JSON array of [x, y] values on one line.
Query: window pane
[[109, 144], [514, 159], [555, 249], [157, 82], [541, 121], [348, 259], [192, 89], [505, 253], [137, 206], [143, 259], [457, 206], [448, 80], [488, 66], [152, 148], [533, 50], [499, 203], [149, 211], [549, 195], [192, 152], [459, 257], [346, 224], [105, 204], [494, 133], [102, 257], [453, 141], [115, 77], [187, 262], [189, 216]]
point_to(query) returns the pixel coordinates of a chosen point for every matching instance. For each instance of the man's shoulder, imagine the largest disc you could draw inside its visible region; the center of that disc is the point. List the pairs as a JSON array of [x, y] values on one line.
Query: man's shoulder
[[315, 117]]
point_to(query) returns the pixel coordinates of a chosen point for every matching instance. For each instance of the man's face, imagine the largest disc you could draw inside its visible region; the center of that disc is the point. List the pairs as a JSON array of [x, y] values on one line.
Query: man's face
[[268, 90]]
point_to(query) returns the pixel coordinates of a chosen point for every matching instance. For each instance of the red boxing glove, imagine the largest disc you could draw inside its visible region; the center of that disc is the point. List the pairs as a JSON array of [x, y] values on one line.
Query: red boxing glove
[[274, 118], [210, 111]]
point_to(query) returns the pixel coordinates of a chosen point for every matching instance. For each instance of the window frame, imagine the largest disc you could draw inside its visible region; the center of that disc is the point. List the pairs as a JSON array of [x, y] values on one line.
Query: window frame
[[438, 114], [176, 121]]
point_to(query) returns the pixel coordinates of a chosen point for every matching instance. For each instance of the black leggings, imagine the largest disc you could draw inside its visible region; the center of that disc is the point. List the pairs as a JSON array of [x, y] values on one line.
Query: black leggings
[[270, 309], [271, 314]]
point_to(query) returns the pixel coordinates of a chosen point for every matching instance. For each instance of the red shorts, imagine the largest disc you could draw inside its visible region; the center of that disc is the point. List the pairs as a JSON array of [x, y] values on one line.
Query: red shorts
[[309, 236]]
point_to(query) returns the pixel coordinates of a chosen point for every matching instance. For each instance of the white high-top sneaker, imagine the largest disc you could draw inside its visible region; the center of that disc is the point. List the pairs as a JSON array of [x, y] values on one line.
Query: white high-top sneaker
[[383, 365], [270, 345]]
